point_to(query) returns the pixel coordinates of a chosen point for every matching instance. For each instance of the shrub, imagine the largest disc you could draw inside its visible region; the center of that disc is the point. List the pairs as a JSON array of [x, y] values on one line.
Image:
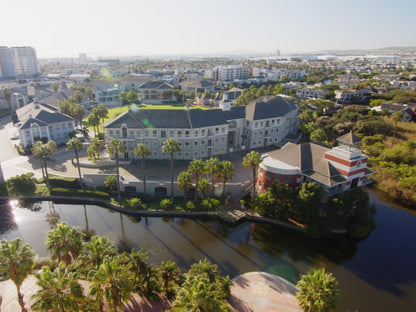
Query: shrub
[[21, 185], [110, 184], [42, 189], [209, 204], [190, 205], [64, 182], [134, 204], [3, 189], [166, 204]]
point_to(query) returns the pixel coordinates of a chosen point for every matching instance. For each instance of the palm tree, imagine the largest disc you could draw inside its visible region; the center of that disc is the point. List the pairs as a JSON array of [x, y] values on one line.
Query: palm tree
[[37, 152], [140, 269], [93, 150], [60, 290], [7, 95], [205, 267], [226, 173], [318, 291], [95, 251], [184, 183], [196, 167], [114, 147], [197, 294], [144, 151], [43, 151], [55, 87], [101, 111], [252, 160], [170, 276], [203, 187], [78, 113], [94, 121], [212, 167], [64, 242], [76, 145], [112, 282], [16, 263], [171, 146], [396, 117]]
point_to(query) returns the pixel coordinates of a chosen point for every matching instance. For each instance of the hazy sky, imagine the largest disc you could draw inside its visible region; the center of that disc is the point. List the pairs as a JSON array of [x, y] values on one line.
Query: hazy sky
[[64, 28]]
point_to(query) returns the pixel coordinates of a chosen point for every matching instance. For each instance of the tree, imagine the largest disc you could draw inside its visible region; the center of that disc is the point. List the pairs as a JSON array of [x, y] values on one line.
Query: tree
[[144, 151], [101, 111], [64, 242], [78, 96], [22, 184], [16, 263], [112, 282], [203, 187], [308, 202], [65, 106], [226, 173], [252, 160], [110, 184], [114, 147], [170, 276], [76, 145], [184, 183], [212, 167], [196, 167], [60, 290], [396, 117], [95, 251], [93, 150], [7, 95], [43, 151], [132, 96], [94, 121], [171, 146], [77, 111], [55, 87], [89, 93], [318, 135], [318, 291], [142, 272]]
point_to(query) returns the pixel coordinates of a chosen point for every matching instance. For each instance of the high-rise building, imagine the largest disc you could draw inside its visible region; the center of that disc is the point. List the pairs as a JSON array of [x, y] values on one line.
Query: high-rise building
[[6, 63], [25, 61]]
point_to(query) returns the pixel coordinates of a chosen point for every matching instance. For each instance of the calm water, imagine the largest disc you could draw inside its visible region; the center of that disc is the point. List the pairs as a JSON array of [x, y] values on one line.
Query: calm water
[[376, 274]]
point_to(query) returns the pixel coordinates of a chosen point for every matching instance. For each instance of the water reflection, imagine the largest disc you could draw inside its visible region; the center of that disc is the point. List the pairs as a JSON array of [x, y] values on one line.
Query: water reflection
[[7, 219]]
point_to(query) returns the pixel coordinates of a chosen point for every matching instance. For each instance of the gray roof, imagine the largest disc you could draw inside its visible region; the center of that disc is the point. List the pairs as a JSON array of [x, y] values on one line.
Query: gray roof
[[167, 118], [270, 108], [349, 138], [236, 112], [155, 85], [309, 158], [197, 83], [43, 115]]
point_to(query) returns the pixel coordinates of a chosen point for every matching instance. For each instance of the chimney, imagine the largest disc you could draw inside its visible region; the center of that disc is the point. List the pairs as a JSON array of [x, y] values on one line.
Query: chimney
[[36, 103]]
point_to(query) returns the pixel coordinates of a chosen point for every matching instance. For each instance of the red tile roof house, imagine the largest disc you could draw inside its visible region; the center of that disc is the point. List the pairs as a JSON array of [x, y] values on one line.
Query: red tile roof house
[[336, 170]]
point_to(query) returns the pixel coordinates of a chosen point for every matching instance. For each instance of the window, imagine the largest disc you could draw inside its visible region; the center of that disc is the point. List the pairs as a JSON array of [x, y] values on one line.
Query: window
[[186, 144], [186, 133], [179, 133], [256, 124], [154, 133], [155, 144], [261, 124], [146, 133], [124, 131], [217, 130], [196, 133], [171, 133], [163, 134], [196, 143], [223, 129], [203, 131], [138, 133], [202, 142], [272, 121]]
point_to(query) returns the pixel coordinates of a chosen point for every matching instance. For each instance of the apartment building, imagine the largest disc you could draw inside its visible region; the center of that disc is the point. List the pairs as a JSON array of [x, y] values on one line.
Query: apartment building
[[205, 133], [25, 61], [228, 73], [6, 63]]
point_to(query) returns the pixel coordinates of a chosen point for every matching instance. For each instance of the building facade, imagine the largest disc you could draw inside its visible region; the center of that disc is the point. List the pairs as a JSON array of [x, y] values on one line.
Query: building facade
[[205, 133], [155, 92], [7, 69], [25, 61], [335, 170]]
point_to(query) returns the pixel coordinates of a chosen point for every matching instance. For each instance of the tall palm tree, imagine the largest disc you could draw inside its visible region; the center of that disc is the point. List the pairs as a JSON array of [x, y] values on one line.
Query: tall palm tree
[[396, 117], [112, 282], [318, 291], [226, 173], [197, 294], [43, 151], [37, 152], [144, 151], [76, 145], [114, 147], [64, 242], [94, 121], [95, 251], [101, 111], [139, 268], [203, 187], [59, 290], [196, 167], [252, 160], [16, 263], [77, 112], [7, 95], [170, 276], [171, 146], [93, 150], [212, 167], [184, 183]]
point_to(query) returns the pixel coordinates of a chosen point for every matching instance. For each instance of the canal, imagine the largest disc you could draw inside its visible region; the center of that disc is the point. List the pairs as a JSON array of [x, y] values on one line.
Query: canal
[[374, 274]]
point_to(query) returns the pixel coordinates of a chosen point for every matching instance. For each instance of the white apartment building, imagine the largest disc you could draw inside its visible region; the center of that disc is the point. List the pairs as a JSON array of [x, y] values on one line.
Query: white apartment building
[[25, 61], [205, 133], [228, 73], [6, 63]]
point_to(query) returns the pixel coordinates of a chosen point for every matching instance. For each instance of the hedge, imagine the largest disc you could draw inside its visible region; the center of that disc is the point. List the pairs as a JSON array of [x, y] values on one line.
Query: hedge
[[62, 182]]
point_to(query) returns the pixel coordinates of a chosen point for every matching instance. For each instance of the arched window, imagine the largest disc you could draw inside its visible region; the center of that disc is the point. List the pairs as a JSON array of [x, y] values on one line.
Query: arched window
[[35, 131]]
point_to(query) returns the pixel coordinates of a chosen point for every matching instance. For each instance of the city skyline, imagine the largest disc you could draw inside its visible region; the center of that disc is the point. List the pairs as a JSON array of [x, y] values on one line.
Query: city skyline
[[184, 27]]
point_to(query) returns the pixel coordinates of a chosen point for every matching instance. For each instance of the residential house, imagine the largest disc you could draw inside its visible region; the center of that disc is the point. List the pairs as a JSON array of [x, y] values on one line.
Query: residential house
[[198, 86], [309, 93], [37, 121], [155, 92]]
